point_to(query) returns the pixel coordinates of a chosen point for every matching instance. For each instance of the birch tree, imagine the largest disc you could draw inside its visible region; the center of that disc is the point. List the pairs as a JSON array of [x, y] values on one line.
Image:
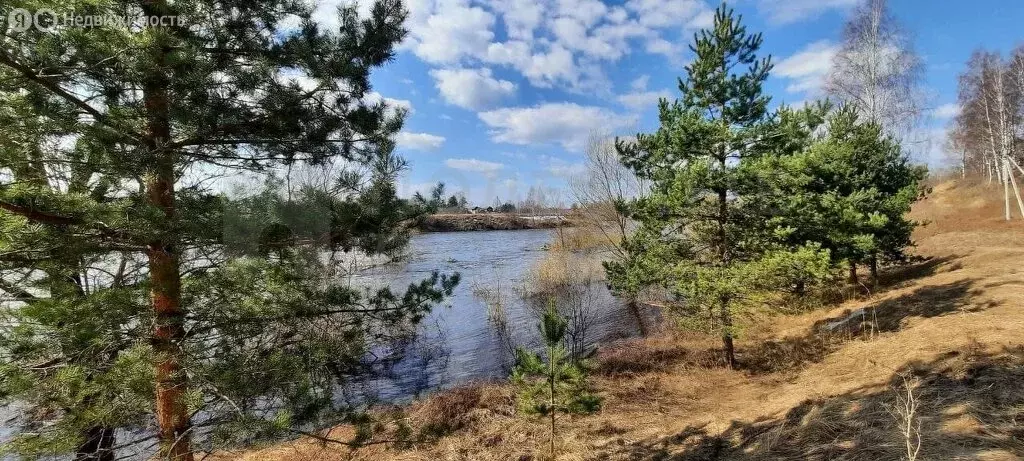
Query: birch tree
[[989, 125], [877, 71], [605, 190]]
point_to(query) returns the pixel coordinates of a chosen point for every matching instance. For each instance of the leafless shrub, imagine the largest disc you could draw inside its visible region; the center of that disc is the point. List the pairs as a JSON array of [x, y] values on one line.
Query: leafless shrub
[[574, 282], [498, 296], [905, 412]]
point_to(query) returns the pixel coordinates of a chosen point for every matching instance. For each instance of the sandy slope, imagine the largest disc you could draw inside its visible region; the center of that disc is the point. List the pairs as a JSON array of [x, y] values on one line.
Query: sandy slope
[[950, 328]]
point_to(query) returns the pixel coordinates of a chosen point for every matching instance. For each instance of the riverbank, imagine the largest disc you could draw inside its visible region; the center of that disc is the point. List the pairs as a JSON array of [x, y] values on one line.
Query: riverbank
[[945, 334], [488, 221]]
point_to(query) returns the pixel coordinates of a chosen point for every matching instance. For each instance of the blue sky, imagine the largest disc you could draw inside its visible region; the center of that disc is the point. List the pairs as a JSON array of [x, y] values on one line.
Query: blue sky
[[503, 94]]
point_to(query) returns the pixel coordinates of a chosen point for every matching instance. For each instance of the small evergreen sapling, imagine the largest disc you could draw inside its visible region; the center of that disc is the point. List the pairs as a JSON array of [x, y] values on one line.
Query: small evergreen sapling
[[558, 385]]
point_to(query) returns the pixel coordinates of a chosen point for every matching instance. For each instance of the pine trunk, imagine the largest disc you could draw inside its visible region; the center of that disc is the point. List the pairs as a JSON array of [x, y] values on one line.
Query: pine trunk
[[853, 274], [874, 271], [727, 346], [171, 381], [723, 236], [551, 383]]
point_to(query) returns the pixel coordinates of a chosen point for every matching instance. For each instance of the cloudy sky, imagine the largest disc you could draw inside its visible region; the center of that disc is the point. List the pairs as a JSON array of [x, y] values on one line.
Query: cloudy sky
[[504, 93]]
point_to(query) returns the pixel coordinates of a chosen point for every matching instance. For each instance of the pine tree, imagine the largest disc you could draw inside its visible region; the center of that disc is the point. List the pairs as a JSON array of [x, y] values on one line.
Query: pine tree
[[698, 236], [557, 386], [849, 191], [133, 311]]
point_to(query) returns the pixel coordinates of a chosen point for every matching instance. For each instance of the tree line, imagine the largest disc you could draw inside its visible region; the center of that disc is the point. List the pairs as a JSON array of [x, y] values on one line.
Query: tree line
[[987, 134]]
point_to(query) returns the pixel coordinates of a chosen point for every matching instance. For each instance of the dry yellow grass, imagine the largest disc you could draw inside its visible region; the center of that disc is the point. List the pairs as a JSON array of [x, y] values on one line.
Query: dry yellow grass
[[952, 325], [585, 236]]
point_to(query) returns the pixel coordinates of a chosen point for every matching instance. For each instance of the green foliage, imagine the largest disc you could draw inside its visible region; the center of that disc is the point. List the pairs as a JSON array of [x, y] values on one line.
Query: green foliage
[[553, 384], [849, 191], [95, 120], [702, 233]]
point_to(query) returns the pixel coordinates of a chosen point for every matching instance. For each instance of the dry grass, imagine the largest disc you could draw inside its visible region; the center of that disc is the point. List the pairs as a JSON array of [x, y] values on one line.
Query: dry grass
[[585, 237], [560, 269], [950, 324], [655, 354]]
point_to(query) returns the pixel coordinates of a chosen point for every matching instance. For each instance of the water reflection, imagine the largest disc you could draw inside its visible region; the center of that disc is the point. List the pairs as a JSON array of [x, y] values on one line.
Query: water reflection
[[465, 341]]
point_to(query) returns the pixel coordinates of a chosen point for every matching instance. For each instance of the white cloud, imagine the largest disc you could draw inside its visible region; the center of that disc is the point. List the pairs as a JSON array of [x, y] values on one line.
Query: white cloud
[[563, 169], [807, 68], [704, 20], [472, 165], [567, 124], [617, 15], [664, 47], [521, 17], [545, 69], [931, 147], [588, 12], [541, 68], [561, 44], [419, 141], [946, 111], [788, 11], [326, 13], [639, 100], [374, 97], [448, 31], [665, 13], [640, 83], [473, 89], [296, 76]]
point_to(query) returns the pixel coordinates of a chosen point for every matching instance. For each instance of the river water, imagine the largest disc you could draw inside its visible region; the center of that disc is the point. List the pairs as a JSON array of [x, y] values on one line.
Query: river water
[[460, 342]]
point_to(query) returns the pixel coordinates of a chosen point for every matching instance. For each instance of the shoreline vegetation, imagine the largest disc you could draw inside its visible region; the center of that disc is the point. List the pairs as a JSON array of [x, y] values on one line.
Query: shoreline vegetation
[[466, 222]]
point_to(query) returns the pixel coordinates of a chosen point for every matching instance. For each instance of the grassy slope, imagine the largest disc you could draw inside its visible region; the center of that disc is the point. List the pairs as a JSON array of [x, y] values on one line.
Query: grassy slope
[[951, 325]]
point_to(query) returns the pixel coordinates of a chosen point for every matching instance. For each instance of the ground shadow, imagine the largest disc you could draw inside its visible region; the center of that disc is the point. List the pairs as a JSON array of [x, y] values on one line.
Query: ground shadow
[[968, 405], [916, 268], [881, 316]]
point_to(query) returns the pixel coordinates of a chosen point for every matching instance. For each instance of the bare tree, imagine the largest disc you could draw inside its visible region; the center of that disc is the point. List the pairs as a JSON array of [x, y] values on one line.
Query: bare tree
[[604, 188], [990, 122], [877, 70], [536, 200]]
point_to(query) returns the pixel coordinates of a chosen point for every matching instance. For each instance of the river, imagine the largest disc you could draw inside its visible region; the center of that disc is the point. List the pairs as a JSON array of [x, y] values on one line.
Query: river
[[459, 343]]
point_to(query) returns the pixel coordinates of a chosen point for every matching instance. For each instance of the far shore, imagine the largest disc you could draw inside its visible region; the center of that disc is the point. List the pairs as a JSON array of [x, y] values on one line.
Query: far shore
[[463, 222]]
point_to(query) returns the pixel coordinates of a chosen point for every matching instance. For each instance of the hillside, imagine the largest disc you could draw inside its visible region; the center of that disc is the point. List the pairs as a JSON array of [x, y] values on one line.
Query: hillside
[[947, 327]]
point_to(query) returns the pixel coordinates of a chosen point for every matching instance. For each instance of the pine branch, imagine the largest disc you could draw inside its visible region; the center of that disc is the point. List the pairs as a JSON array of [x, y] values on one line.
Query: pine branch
[[38, 216], [30, 74]]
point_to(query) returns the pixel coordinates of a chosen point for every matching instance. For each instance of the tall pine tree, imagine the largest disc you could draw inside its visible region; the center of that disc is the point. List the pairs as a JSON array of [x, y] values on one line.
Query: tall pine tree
[[697, 235], [131, 311], [690, 235]]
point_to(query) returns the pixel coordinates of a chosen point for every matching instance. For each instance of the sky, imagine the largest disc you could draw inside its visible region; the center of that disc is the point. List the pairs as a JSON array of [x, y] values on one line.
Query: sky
[[503, 95]]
